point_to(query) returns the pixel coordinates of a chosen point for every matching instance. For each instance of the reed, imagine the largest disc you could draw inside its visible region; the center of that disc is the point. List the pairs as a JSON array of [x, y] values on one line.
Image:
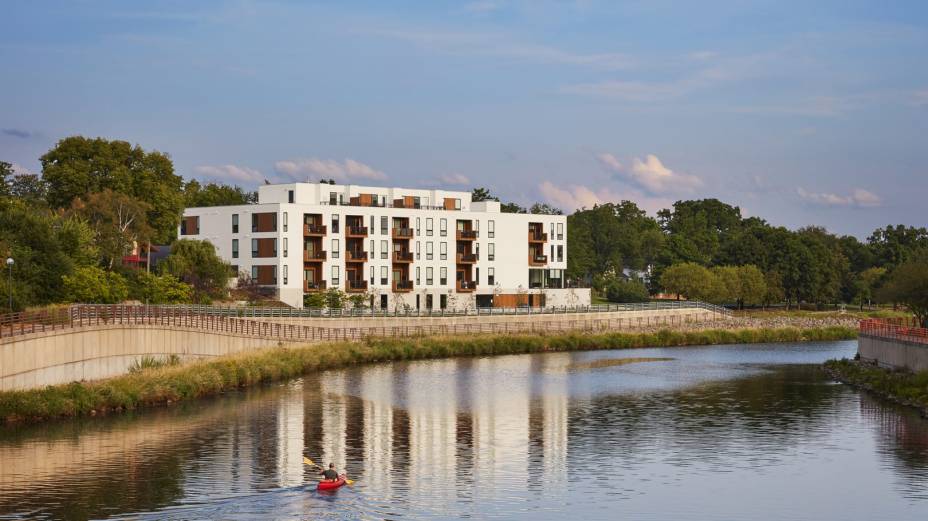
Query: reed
[[164, 383]]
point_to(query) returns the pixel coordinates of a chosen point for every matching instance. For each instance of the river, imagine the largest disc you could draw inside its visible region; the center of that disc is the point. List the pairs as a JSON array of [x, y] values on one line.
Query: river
[[725, 432]]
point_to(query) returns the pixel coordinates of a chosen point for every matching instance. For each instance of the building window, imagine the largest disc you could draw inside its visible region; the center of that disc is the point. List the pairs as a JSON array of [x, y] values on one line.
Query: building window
[[428, 250], [417, 226], [428, 276], [417, 250], [417, 276], [443, 251], [335, 224], [560, 253], [335, 276], [286, 248], [383, 225], [234, 223], [443, 227], [234, 248], [428, 226], [334, 248], [372, 248], [491, 276], [552, 250], [443, 276], [333, 198], [552, 232], [190, 226], [254, 273], [457, 204], [491, 229], [285, 266], [383, 276], [477, 275], [384, 250], [372, 224], [443, 299], [285, 217], [372, 275], [289, 199], [254, 247], [477, 225], [491, 251], [560, 231]]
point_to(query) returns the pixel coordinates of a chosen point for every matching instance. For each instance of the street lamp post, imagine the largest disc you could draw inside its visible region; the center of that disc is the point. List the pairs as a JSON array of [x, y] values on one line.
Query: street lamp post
[[9, 264]]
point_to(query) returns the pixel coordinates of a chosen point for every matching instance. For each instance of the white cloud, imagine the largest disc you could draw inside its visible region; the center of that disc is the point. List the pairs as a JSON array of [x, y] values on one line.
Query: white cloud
[[858, 197], [574, 197], [236, 173], [19, 169], [349, 169], [454, 179], [651, 174]]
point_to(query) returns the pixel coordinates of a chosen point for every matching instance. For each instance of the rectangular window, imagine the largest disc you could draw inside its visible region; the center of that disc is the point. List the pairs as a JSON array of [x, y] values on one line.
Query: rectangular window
[[443, 276], [417, 226], [264, 247], [417, 276], [443, 251], [333, 198], [383, 276], [372, 275], [417, 250], [289, 200], [457, 204], [560, 253], [552, 231], [477, 275], [335, 276], [383, 226], [254, 247], [285, 266], [234, 248], [190, 226], [560, 231], [335, 224], [286, 248], [334, 248], [372, 224], [384, 250], [552, 251], [264, 222], [443, 227], [372, 248], [443, 301], [491, 251], [254, 273], [234, 223], [491, 276], [428, 276], [491, 229], [428, 250], [428, 226], [285, 216]]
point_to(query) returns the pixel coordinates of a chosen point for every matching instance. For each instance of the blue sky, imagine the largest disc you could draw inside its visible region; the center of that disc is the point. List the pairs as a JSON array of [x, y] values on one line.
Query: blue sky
[[799, 112]]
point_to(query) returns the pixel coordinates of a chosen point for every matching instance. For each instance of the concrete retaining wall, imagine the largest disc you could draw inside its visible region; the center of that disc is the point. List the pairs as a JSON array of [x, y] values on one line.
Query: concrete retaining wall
[[893, 353]]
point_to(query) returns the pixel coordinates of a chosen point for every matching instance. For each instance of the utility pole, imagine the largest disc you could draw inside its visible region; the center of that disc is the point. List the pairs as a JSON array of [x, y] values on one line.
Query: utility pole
[[9, 263]]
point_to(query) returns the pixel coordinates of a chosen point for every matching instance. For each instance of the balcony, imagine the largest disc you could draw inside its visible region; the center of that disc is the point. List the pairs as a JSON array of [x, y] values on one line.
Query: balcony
[[314, 256], [466, 286], [402, 256], [313, 230], [356, 231], [402, 286], [468, 258], [356, 256], [402, 233], [467, 235], [356, 286], [536, 236], [310, 286], [537, 260]]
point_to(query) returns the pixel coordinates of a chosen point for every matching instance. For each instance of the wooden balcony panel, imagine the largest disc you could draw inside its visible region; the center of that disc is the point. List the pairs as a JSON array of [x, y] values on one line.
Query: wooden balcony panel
[[312, 287], [314, 256], [468, 258], [537, 260], [314, 230], [403, 233], [356, 286], [402, 256], [356, 231], [537, 236], [467, 235], [356, 256], [466, 286], [402, 286]]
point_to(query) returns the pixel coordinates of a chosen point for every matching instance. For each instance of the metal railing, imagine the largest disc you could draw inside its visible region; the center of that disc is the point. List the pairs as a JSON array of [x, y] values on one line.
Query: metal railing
[[906, 330], [210, 317]]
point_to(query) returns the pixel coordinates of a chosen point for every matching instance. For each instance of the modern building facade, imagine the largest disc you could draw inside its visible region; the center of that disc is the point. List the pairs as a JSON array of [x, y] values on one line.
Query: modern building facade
[[405, 249]]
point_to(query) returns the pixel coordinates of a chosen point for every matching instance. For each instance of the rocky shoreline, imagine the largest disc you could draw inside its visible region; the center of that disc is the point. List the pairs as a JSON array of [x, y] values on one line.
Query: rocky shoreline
[[904, 388], [775, 322]]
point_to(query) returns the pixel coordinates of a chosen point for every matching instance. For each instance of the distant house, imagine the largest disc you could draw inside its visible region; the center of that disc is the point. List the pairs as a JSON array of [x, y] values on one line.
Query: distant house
[[146, 256]]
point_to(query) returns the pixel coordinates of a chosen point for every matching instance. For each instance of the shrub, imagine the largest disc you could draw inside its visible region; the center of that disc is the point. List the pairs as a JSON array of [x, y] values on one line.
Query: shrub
[[92, 285], [626, 291]]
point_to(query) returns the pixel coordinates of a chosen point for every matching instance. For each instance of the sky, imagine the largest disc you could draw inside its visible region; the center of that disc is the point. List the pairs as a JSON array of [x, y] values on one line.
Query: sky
[[802, 113]]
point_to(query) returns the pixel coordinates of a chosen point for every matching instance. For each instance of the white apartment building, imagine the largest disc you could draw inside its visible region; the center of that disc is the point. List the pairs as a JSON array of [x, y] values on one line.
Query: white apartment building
[[407, 249]]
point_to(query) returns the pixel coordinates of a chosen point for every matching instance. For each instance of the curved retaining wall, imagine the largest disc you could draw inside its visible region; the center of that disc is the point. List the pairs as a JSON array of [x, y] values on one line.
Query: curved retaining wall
[[893, 353]]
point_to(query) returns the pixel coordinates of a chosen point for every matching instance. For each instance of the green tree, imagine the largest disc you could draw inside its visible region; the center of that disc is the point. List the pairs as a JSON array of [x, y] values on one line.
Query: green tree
[[92, 285], [6, 178], [697, 230], [359, 300], [774, 292], [215, 194], [482, 194], [908, 285], [314, 300], [79, 166], [610, 237], [620, 290], [690, 280], [893, 245], [157, 289], [197, 264], [118, 222], [753, 285], [866, 283], [545, 209], [334, 298], [512, 208]]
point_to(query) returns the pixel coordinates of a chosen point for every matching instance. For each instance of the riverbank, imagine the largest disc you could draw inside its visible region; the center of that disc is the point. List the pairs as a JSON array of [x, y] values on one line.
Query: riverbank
[[899, 386], [167, 385]]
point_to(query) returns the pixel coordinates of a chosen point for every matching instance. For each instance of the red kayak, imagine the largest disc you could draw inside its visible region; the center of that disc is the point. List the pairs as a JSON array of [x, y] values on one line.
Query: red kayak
[[331, 485]]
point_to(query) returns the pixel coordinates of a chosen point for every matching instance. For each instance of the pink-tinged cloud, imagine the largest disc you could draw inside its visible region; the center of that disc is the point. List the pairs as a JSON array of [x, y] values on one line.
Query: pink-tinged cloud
[[858, 197], [348, 170], [230, 173], [650, 174]]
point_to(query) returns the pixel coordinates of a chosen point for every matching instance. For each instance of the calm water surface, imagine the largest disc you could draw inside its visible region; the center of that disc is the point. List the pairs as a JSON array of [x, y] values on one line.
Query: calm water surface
[[728, 432]]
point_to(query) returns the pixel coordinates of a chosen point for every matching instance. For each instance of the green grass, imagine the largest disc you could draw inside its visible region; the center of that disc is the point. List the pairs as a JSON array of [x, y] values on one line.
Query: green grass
[[906, 387], [161, 385]]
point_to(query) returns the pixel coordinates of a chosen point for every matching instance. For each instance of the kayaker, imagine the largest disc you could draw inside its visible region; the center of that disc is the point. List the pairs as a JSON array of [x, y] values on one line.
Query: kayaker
[[329, 474]]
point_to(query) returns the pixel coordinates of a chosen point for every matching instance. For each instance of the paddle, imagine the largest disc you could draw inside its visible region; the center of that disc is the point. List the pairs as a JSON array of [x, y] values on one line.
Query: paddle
[[311, 463]]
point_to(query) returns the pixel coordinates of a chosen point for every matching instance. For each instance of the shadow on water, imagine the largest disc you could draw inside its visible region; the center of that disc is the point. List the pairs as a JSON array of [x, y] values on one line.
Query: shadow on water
[[514, 436]]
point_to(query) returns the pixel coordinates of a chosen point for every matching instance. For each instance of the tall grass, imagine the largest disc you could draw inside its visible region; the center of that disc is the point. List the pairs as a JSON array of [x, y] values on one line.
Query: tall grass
[[165, 384], [905, 387]]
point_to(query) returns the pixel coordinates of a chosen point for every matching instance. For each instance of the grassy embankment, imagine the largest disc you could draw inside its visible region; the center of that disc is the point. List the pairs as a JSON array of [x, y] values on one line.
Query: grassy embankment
[[900, 386], [167, 384]]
